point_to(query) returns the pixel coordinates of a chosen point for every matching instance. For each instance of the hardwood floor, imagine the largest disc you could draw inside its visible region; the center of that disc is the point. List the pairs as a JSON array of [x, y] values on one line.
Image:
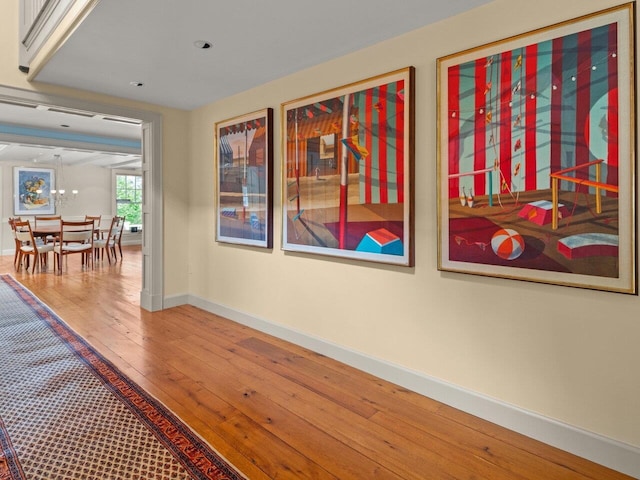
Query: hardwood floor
[[275, 410]]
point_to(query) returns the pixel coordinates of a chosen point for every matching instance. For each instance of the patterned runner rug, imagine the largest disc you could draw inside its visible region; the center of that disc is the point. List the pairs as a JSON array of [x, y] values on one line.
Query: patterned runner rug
[[68, 413]]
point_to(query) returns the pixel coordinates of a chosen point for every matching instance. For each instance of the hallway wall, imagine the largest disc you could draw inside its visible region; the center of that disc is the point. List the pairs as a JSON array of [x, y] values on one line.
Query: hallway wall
[[567, 354]]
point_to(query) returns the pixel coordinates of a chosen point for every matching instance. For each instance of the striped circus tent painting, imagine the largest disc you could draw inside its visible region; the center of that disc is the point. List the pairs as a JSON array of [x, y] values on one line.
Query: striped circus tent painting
[[379, 120], [525, 113], [375, 141]]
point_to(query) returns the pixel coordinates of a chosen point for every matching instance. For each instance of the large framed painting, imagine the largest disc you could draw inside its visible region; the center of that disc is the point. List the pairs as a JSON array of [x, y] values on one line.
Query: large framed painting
[[536, 156], [244, 179], [32, 191], [348, 171]]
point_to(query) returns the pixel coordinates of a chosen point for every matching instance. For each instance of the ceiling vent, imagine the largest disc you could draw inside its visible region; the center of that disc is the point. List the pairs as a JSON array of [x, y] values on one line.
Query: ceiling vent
[[44, 147], [128, 121], [71, 112], [18, 103]]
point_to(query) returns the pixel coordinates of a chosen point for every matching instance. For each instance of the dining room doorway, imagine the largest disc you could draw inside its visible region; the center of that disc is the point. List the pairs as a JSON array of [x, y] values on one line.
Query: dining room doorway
[[151, 289]]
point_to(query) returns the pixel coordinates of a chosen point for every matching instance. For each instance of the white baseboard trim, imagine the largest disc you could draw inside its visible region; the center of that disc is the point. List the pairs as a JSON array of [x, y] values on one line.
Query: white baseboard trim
[[133, 241], [132, 238], [177, 300], [605, 451]]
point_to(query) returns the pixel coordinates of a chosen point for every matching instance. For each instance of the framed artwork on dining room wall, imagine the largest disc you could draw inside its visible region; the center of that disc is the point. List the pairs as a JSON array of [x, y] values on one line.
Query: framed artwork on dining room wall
[[244, 179], [536, 155], [347, 171], [32, 191]]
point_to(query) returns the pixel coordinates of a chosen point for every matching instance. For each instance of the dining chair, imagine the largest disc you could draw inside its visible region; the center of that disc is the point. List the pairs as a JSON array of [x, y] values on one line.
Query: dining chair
[[48, 221], [101, 243], [75, 237], [29, 246], [96, 221], [115, 237], [17, 242]]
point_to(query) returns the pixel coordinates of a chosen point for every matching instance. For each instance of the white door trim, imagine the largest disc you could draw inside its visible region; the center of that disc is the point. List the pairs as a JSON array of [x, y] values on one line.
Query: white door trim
[[152, 289]]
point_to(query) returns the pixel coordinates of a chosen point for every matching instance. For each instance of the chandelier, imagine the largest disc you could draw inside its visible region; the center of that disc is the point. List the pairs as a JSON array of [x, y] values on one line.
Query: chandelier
[[60, 196]]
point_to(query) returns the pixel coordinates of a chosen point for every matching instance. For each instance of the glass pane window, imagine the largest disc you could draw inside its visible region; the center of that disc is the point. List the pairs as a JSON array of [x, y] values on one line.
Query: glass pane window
[[129, 198]]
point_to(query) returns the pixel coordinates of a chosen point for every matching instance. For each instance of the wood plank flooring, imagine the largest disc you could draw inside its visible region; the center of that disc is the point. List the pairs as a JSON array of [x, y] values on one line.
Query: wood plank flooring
[[275, 410]]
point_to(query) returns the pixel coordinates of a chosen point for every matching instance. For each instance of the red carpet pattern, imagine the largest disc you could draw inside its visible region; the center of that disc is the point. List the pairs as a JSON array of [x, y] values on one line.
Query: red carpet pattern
[[68, 413]]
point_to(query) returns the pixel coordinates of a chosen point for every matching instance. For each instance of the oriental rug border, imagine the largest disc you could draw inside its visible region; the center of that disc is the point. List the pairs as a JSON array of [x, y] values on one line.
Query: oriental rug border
[[198, 458]]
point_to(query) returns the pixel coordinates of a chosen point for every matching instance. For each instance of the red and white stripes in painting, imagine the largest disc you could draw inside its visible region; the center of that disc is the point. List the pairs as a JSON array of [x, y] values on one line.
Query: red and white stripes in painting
[[530, 111], [380, 114]]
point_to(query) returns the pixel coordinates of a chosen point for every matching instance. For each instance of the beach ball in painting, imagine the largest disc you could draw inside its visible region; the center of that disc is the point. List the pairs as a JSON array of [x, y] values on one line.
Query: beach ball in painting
[[507, 243]]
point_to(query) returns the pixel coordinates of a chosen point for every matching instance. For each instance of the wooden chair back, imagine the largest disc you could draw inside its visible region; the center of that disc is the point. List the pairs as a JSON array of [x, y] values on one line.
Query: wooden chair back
[[96, 222], [101, 243], [115, 238], [23, 231], [77, 232], [75, 237], [29, 246], [12, 224], [12, 221], [46, 221]]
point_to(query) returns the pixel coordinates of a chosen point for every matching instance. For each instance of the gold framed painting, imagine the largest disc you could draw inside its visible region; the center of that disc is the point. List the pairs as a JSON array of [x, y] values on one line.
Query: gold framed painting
[[536, 156], [347, 171]]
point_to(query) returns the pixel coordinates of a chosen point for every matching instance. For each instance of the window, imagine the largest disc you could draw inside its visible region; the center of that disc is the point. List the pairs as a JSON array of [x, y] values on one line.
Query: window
[[129, 198]]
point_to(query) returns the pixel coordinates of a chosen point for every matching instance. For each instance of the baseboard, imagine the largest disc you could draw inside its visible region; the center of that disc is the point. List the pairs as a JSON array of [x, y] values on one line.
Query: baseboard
[[131, 239], [177, 300], [597, 448]]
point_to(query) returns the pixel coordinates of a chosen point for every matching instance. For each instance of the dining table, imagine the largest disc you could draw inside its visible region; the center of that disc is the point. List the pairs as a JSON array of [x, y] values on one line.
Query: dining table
[[52, 231], [44, 231]]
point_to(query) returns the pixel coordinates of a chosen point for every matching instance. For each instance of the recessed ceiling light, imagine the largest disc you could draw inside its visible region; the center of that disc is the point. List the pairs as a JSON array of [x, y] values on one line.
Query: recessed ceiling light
[[136, 84], [203, 44]]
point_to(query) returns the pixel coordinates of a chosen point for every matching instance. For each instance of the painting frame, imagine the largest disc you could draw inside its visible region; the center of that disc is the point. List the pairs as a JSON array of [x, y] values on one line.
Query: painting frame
[[244, 182], [536, 155], [32, 191], [348, 174]]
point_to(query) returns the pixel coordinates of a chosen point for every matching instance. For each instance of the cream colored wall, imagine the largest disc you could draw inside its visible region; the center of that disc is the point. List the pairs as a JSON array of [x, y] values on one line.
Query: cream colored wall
[[565, 353], [174, 145]]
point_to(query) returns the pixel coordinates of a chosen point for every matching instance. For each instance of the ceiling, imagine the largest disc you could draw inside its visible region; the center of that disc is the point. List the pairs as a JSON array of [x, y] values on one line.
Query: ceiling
[[34, 134], [252, 42], [124, 43]]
